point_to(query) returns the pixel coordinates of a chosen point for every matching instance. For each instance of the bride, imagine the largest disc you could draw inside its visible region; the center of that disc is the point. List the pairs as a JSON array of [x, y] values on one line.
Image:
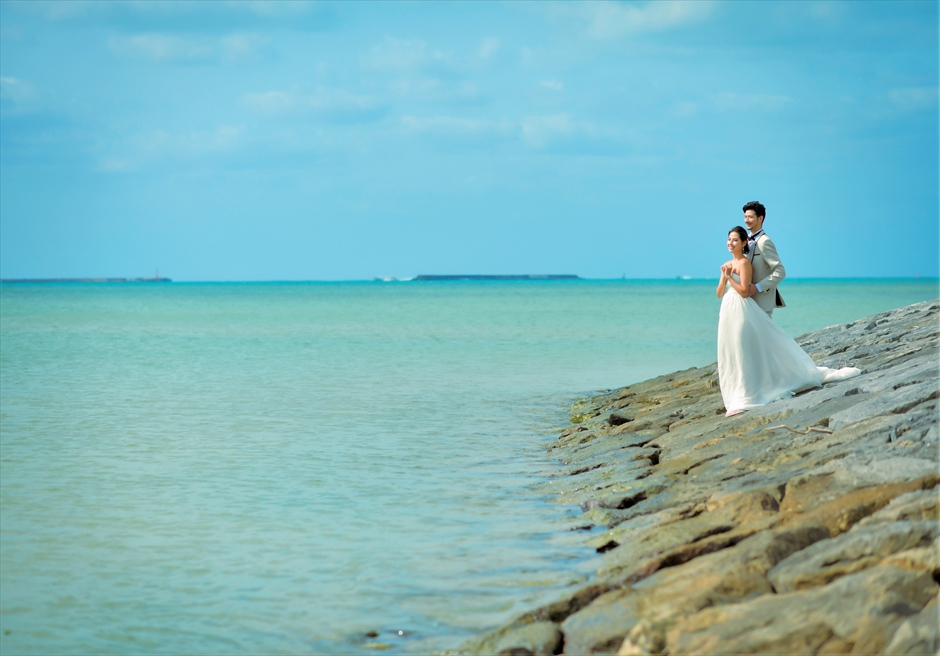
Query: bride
[[757, 361]]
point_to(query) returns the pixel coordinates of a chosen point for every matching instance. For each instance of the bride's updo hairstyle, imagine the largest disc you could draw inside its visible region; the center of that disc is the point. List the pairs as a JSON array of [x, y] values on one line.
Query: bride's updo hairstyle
[[742, 233]]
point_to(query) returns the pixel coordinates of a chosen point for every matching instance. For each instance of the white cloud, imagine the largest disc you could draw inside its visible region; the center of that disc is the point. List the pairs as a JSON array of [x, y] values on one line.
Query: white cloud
[[685, 109], [538, 131], [56, 10], [488, 48], [749, 102], [553, 85], [826, 9], [913, 99], [242, 47], [335, 105], [615, 20], [223, 139], [447, 124], [161, 48], [61, 10], [135, 151], [115, 165], [16, 94], [402, 55], [271, 103], [238, 47]]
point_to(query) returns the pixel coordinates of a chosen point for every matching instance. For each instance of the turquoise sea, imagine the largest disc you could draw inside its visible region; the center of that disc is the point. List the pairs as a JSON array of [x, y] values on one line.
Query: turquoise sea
[[329, 468]]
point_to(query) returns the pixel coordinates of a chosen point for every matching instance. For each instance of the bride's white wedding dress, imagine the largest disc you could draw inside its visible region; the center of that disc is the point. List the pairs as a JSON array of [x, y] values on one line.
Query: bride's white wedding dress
[[758, 362]]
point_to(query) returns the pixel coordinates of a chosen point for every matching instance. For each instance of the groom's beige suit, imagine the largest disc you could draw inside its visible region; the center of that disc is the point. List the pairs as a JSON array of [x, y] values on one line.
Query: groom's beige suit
[[768, 271]]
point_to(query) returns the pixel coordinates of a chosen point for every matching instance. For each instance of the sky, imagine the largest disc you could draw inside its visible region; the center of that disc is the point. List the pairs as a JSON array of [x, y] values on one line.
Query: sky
[[349, 140]]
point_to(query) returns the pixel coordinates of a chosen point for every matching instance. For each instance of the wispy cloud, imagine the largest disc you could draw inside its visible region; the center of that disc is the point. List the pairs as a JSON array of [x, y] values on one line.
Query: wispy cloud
[[335, 105], [162, 48], [414, 56], [225, 13], [615, 20], [238, 47], [914, 99], [133, 152], [452, 125], [17, 95], [538, 131], [400, 55], [488, 48], [242, 47], [743, 102]]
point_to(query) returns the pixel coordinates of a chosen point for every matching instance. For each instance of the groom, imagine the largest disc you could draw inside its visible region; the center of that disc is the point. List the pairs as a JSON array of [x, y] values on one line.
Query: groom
[[768, 269]]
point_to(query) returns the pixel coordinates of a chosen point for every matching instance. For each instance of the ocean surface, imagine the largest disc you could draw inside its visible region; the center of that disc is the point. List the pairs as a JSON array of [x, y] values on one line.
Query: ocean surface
[[329, 468]]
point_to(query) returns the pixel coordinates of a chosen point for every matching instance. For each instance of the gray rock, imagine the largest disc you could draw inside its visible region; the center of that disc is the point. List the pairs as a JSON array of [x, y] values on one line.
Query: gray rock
[[858, 549], [896, 401], [863, 609], [539, 639], [913, 506], [918, 635]]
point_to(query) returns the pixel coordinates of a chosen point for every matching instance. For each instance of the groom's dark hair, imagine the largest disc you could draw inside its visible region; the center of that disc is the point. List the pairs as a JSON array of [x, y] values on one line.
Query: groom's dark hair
[[759, 209]]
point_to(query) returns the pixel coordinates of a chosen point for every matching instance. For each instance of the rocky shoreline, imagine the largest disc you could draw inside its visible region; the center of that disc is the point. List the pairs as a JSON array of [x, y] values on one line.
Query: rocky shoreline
[[808, 526]]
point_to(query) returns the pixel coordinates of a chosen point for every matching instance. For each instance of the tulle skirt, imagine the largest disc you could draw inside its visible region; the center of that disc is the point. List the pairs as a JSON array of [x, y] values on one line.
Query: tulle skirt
[[758, 362]]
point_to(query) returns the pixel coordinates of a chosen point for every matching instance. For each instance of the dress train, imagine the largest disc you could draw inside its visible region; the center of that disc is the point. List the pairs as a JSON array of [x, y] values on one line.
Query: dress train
[[758, 362]]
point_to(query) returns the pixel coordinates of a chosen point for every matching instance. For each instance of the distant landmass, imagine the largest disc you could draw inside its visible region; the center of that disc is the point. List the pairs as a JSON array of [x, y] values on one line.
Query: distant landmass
[[500, 277], [17, 280]]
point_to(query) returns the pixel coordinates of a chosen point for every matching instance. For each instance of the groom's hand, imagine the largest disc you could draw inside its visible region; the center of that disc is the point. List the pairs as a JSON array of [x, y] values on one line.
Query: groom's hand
[[752, 290]]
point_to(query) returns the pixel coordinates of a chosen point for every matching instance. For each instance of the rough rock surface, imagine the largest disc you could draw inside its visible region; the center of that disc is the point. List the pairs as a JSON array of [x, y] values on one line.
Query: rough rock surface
[[807, 526]]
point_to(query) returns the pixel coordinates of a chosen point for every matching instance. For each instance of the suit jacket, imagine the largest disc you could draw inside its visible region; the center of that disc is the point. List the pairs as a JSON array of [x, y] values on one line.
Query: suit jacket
[[768, 272]]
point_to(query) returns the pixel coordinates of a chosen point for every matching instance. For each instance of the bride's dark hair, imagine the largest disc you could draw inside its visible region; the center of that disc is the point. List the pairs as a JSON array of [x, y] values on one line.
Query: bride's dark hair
[[742, 233]]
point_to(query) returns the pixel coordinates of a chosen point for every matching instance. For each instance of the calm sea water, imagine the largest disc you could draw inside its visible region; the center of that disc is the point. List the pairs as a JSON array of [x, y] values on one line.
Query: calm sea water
[[286, 468]]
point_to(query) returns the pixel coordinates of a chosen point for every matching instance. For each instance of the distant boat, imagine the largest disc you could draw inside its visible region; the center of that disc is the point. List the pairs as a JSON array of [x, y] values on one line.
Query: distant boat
[[684, 277]]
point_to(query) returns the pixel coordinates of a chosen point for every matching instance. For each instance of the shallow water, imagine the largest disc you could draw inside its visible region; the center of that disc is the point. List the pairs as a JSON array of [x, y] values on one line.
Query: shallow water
[[284, 468]]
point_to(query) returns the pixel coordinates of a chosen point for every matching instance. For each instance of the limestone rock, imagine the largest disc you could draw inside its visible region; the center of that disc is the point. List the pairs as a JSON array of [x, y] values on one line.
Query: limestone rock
[[918, 635], [858, 549], [722, 577], [863, 609], [539, 639], [913, 506]]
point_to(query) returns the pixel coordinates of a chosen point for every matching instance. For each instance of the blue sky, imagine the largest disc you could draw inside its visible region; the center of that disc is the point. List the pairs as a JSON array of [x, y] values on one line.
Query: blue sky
[[342, 141]]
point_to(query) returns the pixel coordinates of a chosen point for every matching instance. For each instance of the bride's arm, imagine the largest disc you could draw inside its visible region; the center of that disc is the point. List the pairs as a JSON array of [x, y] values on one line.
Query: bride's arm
[[744, 273]]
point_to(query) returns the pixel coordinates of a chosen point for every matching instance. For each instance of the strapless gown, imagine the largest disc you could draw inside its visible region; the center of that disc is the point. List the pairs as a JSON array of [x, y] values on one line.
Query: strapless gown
[[758, 362]]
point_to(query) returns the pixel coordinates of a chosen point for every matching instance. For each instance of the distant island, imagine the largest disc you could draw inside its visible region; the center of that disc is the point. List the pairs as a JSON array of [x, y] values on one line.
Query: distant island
[[500, 277], [35, 280]]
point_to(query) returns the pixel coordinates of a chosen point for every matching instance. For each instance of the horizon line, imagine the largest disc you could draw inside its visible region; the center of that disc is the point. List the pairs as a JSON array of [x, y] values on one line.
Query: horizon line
[[423, 278]]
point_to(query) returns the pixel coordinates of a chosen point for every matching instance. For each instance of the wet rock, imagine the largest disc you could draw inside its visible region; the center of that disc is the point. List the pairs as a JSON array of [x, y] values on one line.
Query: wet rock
[[539, 639]]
